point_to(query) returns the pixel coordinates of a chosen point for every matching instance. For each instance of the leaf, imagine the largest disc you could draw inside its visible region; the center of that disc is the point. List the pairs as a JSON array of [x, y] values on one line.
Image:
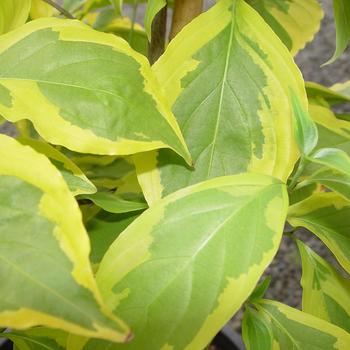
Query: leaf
[[294, 21], [228, 78], [343, 89], [153, 7], [256, 331], [333, 158], [77, 182], [177, 281], [38, 338], [294, 329], [40, 9], [332, 179], [332, 95], [327, 215], [101, 95], [103, 229], [118, 6], [326, 294], [44, 251], [306, 133], [114, 203], [261, 289], [341, 9], [332, 132], [13, 14]]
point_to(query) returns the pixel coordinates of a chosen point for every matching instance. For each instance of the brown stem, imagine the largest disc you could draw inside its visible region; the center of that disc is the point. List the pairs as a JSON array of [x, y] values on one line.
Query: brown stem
[[157, 45], [60, 9], [184, 12]]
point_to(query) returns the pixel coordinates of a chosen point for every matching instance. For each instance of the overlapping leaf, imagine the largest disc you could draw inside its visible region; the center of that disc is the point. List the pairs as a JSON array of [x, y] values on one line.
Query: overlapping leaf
[[153, 7], [77, 182], [44, 251], [326, 294], [229, 80], [282, 327], [101, 96], [13, 13], [40, 9], [177, 273], [294, 21], [327, 215]]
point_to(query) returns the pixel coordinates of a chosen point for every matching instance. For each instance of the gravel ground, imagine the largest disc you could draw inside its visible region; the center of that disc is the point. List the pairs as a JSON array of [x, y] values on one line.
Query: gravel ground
[[285, 269]]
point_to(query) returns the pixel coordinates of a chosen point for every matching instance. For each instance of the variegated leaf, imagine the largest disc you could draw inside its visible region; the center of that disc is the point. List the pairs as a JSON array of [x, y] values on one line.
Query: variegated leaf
[[327, 215], [101, 96], [333, 95], [326, 294], [342, 88], [294, 329], [229, 80], [13, 13], [294, 21], [77, 182], [44, 251], [177, 273]]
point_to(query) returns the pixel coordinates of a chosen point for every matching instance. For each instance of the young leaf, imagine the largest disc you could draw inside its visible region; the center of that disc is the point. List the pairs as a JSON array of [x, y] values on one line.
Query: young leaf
[[77, 182], [114, 203], [228, 78], [327, 215], [261, 289], [186, 265], [44, 251], [101, 95], [256, 331], [13, 13], [294, 329], [153, 7], [326, 294], [305, 128], [118, 6], [341, 9], [294, 21]]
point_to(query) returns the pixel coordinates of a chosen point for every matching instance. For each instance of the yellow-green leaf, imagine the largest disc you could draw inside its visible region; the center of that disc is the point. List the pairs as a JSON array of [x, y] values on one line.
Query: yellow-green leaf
[[185, 266], [229, 80], [333, 95], [13, 13], [101, 96], [77, 182], [294, 329], [326, 294], [327, 215], [294, 21], [40, 9], [44, 251], [342, 88]]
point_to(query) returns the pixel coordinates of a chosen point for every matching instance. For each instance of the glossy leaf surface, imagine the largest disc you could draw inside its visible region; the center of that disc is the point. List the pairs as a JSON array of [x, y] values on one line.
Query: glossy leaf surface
[[44, 251], [228, 78], [182, 260], [101, 95]]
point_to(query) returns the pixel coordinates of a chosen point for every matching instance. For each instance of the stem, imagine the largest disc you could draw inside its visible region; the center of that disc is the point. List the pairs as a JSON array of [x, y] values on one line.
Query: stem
[[298, 173], [133, 20], [184, 12], [60, 9], [157, 45]]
